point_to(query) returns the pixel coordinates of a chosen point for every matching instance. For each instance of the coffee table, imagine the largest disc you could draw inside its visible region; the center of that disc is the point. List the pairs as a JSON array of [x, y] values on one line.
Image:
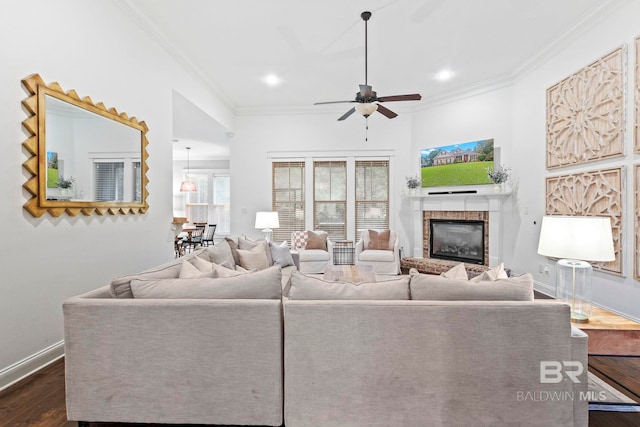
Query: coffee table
[[349, 273]]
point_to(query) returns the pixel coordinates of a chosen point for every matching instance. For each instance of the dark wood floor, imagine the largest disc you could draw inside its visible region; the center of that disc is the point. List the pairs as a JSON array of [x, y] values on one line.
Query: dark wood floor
[[39, 399]]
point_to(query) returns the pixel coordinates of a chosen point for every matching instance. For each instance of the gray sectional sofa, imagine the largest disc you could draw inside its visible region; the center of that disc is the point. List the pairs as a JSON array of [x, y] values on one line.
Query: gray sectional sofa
[[276, 346]]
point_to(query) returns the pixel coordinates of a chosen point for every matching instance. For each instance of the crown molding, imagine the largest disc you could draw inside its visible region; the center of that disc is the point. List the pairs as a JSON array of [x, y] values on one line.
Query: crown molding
[[587, 22], [138, 18]]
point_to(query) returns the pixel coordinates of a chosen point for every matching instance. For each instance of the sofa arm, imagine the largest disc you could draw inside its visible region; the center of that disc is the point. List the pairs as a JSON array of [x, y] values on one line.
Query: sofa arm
[[174, 361], [579, 350]]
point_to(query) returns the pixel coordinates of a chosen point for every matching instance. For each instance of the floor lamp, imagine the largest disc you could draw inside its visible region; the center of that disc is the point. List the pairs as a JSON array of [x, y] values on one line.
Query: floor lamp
[[576, 240], [267, 221]]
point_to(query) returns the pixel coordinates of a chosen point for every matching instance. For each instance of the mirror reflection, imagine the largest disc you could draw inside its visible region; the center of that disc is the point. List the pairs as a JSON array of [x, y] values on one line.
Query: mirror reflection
[[90, 157]]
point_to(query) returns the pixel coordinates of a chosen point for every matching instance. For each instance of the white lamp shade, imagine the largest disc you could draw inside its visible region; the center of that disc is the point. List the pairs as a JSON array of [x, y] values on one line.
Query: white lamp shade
[[586, 238], [367, 109], [266, 220]]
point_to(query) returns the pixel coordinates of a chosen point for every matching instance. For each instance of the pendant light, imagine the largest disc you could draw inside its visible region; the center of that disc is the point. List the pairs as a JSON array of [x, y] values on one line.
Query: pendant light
[[188, 185]]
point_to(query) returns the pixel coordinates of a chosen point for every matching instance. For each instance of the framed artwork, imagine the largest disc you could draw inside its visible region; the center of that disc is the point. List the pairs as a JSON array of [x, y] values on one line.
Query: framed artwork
[[593, 193], [458, 164], [586, 113]]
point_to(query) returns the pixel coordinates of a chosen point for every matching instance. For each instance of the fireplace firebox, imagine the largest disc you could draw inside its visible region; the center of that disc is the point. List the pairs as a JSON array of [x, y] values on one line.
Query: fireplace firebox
[[457, 240]]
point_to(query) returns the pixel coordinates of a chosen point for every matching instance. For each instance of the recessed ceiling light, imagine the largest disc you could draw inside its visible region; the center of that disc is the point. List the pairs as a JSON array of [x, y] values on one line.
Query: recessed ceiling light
[[272, 80], [444, 75]]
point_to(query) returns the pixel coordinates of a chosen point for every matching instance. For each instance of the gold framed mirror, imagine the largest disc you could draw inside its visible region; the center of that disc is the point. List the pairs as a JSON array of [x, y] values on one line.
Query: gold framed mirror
[[85, 158]]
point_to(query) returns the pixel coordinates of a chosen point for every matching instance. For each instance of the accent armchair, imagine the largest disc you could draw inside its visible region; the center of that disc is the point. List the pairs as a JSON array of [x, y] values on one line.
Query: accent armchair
[[314, 248], [379, 249]]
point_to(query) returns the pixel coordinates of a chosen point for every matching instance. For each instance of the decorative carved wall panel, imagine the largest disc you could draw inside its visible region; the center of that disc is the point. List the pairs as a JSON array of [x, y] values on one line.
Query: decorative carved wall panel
[[593, 193], [636, 191], [637, 97], [585, 113]]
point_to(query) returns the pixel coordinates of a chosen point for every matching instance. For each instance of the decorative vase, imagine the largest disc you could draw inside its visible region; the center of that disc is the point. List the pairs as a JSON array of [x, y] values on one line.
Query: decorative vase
[[497, 187]]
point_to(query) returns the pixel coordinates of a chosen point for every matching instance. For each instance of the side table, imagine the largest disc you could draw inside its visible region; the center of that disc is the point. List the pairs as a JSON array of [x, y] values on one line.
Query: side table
[[343, 252], [610, 334]]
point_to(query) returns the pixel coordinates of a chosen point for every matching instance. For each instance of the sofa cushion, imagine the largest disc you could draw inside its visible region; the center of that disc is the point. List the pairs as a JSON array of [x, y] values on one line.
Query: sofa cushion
[[458, 272], [255, 258], [316, 241], [281, 255], [431, 287], [303, 287], [120, 287], [376, 255], [265, 284], [307, 255], [220, 253]]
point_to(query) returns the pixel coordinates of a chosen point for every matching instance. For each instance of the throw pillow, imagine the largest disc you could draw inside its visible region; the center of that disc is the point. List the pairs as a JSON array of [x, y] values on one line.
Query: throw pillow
[[316, 241], [303, 287], [379, 240], [190, 271], [264, 284], [254, 258], [224, 271], [281, 255], [220, 253], [247, 244], [459, 272], [438, 288], [492, 274], [234, 250]]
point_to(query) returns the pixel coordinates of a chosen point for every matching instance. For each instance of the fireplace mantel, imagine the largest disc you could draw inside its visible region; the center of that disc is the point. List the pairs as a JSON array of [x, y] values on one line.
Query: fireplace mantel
[[491, 202]]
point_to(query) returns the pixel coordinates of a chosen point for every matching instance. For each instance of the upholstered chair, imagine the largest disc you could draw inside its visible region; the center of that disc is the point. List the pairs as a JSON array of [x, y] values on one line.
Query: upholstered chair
[[379, 249], [314, 248]]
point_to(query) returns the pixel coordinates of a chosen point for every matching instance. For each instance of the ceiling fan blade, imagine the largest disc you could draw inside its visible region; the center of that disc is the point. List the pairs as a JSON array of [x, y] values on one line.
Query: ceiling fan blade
[[412, 97], [347, 114], [365, 91], [331, 102], [386, 112]]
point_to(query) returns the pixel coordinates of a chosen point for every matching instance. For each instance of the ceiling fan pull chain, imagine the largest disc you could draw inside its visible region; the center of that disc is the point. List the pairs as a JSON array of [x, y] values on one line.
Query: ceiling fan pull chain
[[366, 129]]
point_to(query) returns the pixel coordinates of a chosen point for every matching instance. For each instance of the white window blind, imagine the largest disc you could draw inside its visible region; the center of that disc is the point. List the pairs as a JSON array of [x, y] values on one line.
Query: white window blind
[[330, 198], [288, 198], [372, 195], [109, 181]]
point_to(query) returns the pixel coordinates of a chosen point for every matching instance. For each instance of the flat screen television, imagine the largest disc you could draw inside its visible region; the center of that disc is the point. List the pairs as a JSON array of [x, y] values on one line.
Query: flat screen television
[[457, 164]]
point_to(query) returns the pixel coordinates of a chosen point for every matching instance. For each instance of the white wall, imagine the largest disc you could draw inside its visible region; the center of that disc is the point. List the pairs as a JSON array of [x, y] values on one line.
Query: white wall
[[96, 49], [621, 27]]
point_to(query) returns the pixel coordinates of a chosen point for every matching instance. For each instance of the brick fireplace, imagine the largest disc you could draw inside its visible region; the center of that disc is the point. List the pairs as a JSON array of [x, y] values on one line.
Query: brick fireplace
[[487, 207]]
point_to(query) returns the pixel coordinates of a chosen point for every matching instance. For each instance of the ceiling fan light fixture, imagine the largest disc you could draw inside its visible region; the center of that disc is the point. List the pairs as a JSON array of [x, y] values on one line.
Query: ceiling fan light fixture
[[367, 108]]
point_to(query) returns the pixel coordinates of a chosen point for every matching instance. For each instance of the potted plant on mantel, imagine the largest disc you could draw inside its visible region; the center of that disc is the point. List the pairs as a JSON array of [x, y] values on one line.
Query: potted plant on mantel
[[413, 183], [499, 176]]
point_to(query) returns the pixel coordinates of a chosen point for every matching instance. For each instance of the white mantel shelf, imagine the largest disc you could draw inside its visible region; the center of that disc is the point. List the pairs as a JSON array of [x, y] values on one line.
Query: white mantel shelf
[[488, 201]]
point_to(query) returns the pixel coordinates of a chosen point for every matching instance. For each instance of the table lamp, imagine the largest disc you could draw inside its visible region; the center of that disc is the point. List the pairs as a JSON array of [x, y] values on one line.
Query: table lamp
[[267, 221], [576, 240]]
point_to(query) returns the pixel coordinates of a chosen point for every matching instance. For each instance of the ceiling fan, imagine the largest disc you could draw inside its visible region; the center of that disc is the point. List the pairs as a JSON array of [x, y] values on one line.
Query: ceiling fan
[[367, 101]]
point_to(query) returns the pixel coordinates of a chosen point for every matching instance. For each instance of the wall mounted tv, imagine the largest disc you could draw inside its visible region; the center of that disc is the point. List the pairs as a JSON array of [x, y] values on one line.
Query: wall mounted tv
[[457, 164]]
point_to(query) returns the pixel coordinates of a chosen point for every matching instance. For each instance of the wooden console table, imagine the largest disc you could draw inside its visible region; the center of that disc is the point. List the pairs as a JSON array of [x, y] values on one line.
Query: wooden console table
[[610, 334]]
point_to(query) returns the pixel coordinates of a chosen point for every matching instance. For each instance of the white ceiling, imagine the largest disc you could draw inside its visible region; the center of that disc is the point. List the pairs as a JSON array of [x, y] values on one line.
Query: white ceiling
[[317, 48]]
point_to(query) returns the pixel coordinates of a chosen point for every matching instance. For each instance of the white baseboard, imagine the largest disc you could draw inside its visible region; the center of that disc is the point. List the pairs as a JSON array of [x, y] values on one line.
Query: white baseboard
[[545, 289], [27, 366]]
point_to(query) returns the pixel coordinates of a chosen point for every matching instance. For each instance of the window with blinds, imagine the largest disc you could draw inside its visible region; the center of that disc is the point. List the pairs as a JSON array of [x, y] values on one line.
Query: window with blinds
[[137, 181], [287, 192], [330, 198], [372, 195], [109, 181]]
